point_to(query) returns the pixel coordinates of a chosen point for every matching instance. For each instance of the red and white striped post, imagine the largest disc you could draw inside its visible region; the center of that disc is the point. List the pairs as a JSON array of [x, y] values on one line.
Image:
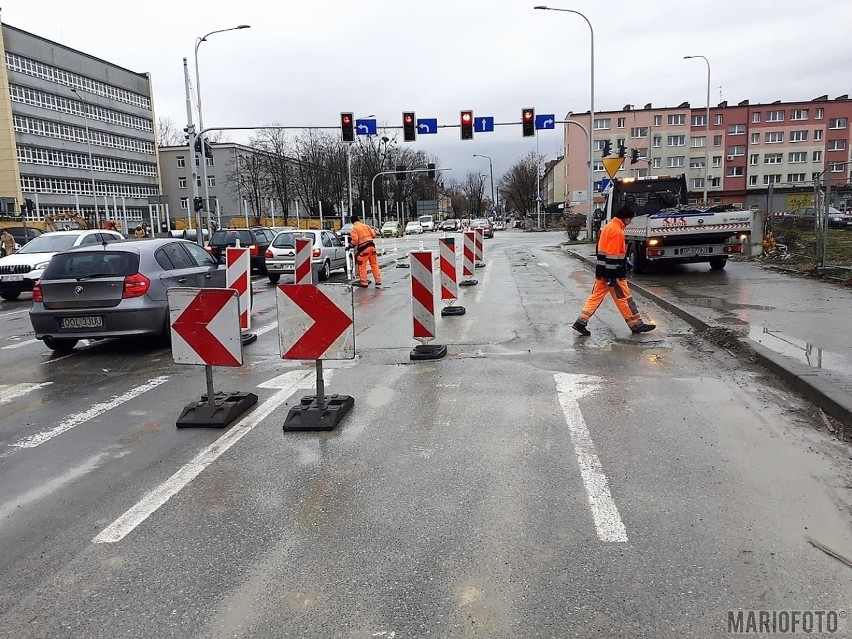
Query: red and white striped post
[[449, 286], [423, 306], [467, 259], [303, 266], [478, 247], [238, 277]]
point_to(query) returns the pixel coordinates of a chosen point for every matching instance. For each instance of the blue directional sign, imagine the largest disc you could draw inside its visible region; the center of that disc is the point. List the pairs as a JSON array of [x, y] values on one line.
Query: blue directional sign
[[545, 121], [365, 127], [603, 184], [427, 125], [483, 124]]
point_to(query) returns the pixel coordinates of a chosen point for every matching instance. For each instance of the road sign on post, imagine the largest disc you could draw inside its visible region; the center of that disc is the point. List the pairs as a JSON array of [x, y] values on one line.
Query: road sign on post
[[612, 165], [205, 331]]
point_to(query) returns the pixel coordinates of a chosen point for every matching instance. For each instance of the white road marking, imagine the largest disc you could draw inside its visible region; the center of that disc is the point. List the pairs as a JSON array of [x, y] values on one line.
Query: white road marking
[[287, 384], [98, 409], [26, 342], [23, 310], [8, 392], [608, 522], [476, 297], [263, 330]]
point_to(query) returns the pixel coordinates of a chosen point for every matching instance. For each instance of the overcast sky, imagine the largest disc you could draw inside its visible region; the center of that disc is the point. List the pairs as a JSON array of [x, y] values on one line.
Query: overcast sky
[[302, 63]]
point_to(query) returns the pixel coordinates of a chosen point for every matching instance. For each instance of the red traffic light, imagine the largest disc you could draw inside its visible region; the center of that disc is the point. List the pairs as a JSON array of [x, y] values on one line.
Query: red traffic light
[[528, 114], [528, 122], [347, 119], [409, 133], [466, 122], [466, 116], [409, 118], [347, 130]]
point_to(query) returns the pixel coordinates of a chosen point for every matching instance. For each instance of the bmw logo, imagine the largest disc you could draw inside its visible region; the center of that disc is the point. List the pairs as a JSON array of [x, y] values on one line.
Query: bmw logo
[[700, 221], [78, 290]]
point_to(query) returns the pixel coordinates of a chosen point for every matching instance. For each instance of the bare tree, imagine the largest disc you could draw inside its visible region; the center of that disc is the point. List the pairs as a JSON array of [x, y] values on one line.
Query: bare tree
[[168, 132], [474, 190], [519, 185]]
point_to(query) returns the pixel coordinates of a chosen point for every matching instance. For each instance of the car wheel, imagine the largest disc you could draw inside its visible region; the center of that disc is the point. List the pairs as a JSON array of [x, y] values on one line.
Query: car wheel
[[60, 345], [10, 295], [717, 264], [274, 277], [325, 271]]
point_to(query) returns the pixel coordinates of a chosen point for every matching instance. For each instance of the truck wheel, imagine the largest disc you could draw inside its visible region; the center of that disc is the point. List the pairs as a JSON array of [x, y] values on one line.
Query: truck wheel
[[718, 263], [636, 253]]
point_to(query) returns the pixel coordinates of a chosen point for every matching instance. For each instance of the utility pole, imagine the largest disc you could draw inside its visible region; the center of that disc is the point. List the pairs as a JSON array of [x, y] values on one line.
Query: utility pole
[[190, 129]]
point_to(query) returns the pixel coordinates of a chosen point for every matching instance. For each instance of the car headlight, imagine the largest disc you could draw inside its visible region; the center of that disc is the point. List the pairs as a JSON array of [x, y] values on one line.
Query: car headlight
[[41, 266]]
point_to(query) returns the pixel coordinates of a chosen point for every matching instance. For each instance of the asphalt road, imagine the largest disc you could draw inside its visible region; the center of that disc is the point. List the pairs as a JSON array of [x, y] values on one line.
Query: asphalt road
[[531, 484]]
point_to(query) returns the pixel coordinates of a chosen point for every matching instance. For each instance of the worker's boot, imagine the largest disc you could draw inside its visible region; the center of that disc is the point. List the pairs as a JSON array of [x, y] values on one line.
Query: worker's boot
[[643, 328], [582, 330]]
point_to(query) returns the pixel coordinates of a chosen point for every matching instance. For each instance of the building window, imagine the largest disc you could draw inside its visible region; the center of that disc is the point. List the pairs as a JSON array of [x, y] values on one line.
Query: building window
[[676, 140], [817, 156], [715, 182], [698, 142], [717, 140], [736, 129], [774, 137], [641, 172], [674, 162], [836, 167], [736, 150], [181, 182], [656, 163], [621, 122], [798, 136], [602, 123], [181, 162], [696, 183], [184, 203], [797, 157], [735, 171], [755, 117], [208, 161], [677, 119], [773, 158], [213, 203], [795, 177], [717, 161], [837, 123], [639, 132], [211, 181], [774, 178], [752, 180], [837, 145], [599, 144], [775, 116], [799, 114], [658, 141], [696, 163], [699, 120], [753, 159], [658, 120], [717, 119], [599, 166], [755, 138], [820, 113], [817, 135]]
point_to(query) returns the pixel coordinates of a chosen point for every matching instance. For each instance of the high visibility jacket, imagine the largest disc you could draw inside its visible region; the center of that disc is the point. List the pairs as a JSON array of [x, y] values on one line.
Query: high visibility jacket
[[362, 236], [612, 251]]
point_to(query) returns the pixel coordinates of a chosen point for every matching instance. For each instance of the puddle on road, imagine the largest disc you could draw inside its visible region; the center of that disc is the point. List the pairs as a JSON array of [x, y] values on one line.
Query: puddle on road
[[722, 304], [800, 350]]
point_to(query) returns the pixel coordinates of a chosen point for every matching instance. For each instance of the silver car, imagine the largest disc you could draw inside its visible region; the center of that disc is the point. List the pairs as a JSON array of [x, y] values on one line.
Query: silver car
[[327, 253], [116, 290]]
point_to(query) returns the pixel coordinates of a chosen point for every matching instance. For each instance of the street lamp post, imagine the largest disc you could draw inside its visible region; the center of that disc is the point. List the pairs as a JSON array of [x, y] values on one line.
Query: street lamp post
[[491, 171], [591, 114], [203, 159], [89, 145], [707, 126]]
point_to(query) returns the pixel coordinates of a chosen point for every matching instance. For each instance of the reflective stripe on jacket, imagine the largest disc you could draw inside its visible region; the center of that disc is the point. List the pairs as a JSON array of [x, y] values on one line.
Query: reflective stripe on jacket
[[361, 234], [612, 251]]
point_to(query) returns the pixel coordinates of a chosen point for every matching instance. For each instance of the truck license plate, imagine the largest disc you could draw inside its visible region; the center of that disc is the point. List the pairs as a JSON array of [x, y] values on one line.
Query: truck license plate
[[695, 250], [71, 323]]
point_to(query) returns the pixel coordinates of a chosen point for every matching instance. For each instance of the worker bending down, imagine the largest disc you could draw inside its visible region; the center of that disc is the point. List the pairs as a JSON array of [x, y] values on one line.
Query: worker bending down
[[362, 237], [610, 274]]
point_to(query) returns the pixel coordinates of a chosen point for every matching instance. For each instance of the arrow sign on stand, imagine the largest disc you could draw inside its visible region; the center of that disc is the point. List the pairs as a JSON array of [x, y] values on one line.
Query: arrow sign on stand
[[205, 326], [315, 322]]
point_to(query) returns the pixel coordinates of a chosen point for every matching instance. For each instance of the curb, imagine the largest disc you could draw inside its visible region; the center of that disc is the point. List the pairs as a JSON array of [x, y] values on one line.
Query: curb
[[802, 379]]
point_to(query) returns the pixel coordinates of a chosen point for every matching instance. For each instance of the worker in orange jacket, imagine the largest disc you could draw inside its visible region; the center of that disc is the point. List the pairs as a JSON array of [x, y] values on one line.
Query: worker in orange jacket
[[610, 274], [362, 237]]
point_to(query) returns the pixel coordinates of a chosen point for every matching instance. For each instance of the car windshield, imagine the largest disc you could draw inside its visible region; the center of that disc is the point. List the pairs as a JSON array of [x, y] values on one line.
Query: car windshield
[[49, 244], [229, 238], [389, 225], [81, 265], [285, 240]]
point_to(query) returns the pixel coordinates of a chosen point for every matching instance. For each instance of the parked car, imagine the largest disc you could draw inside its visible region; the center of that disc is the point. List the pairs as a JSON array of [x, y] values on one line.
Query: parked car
[[327, 253], [449, 225], [488, 230], [392, 228], [19, 272], [499, 225], [413, 228], [116, 290], [345, 230], [257, 239]]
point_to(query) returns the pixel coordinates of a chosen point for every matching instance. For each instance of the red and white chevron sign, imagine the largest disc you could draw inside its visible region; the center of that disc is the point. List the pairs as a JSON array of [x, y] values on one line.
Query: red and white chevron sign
[[449, 285], [304, 272], [478, 241], [316, 322], [238, 277], [205, 326], [423, 294], [467, 264]]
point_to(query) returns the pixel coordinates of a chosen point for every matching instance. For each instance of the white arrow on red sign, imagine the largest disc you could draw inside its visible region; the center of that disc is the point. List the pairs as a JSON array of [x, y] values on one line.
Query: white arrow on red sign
[[315, 322], [205, 326]]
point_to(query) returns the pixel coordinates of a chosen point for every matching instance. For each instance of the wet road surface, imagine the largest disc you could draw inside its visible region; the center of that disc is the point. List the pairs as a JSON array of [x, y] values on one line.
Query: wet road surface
[[532, 483]]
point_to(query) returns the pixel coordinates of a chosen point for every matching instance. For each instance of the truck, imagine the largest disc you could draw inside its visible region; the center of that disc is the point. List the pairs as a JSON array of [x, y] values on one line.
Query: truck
[[666, 229]]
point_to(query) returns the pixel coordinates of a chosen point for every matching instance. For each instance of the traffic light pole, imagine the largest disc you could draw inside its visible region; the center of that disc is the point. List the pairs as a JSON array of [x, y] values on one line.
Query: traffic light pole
[[199, 236]]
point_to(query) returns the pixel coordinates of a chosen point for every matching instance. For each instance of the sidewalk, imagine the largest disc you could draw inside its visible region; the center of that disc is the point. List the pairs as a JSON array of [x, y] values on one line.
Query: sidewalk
[[799, 328]]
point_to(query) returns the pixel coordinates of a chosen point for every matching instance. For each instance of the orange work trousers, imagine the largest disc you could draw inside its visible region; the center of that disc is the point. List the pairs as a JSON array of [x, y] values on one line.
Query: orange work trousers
[[361, 259], [623, 300]]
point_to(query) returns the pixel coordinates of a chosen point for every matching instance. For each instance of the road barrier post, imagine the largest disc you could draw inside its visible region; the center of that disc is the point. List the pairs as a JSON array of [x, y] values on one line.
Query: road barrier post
[[478, 247], [303, 268], [238, 277], [449, 285], [467, 260], [423, 306]]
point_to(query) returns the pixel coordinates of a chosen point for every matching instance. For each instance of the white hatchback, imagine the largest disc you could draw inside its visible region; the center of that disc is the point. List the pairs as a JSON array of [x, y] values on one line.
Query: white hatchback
[[327, 254], [413, 227]]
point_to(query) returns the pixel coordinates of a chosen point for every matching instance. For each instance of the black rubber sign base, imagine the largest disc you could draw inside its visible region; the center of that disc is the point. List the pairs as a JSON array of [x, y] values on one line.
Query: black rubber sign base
[[428, 351], [468, 282], [452, 310], [224, 409], [308, 415]]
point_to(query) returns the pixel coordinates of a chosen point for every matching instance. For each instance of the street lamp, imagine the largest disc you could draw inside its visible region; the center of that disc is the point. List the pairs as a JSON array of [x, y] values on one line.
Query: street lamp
[[89, 145], [203, 159], [707, 126], [591, 114], [491, 171]]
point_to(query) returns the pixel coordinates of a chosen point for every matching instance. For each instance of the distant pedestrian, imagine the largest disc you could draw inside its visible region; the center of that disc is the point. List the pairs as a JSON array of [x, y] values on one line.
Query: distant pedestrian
[[139, 233], [597, 222], [610, 274], [362, 237], [7, 242]]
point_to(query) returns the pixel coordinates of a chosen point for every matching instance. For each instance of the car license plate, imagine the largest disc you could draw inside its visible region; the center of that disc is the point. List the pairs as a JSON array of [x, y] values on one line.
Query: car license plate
[[695, 250], [11, 278], [72, 323], [288, 268]]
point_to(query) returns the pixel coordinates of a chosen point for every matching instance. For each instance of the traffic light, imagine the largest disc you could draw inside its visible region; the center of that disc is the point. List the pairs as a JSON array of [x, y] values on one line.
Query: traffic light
[[409, 132], [634, 156], [30, 206], [208, 150], [528, 122], [607, 148], [198, 204], [431, 173], [400, 175], [347, 127], [466, 120], [622, 150], [186, 134]]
